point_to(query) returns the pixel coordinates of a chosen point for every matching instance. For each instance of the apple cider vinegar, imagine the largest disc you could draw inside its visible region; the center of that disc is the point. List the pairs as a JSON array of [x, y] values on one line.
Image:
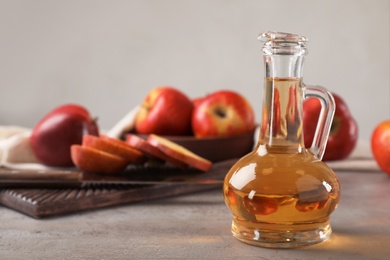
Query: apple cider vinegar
[[281, 194]]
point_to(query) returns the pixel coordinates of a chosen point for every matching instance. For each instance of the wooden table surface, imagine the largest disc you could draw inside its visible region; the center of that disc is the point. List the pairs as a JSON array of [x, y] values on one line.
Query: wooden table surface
[[197, 226]]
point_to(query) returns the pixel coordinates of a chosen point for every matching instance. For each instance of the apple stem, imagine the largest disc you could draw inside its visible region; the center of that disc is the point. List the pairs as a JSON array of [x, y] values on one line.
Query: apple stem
[[220, 112]]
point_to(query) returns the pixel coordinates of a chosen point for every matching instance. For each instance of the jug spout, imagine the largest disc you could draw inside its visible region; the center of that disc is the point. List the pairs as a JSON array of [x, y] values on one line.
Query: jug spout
[[280, 43], [283, 54]]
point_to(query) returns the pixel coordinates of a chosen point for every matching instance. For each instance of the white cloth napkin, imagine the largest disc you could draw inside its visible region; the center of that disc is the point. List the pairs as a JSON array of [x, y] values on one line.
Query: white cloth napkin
[[15, 150], [124, 125]]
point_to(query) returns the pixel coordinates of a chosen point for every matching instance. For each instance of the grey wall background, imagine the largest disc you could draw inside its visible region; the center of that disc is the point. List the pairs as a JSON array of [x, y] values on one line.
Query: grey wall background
[[107, 55]]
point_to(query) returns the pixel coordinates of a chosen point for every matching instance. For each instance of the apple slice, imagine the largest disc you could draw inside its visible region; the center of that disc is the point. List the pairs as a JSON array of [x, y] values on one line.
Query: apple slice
[[92, 160], [122, 143], [179, 153], [152, 152], [113, 146]]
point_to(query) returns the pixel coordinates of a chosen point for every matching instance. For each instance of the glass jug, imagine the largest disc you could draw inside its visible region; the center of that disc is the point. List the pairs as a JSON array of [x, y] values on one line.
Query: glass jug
[[281, 194]]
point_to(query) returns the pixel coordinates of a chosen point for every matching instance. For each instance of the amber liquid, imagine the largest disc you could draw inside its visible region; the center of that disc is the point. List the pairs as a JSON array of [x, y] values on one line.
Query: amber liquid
[[280, 194]]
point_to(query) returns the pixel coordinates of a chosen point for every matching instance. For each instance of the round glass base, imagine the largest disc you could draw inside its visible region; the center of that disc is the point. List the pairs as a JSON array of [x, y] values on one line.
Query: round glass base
[[279, 236]]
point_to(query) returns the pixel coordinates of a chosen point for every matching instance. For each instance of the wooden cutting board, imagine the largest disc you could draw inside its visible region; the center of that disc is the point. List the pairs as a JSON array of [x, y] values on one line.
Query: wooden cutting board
[[49, 202]]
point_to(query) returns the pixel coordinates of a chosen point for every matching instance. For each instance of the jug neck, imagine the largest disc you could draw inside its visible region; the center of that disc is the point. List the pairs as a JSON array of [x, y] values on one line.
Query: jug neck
[[283, 66], [281, 126]]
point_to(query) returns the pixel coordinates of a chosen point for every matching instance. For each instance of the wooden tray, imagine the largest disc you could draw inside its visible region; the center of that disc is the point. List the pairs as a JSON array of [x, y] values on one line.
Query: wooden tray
[[49, 202]]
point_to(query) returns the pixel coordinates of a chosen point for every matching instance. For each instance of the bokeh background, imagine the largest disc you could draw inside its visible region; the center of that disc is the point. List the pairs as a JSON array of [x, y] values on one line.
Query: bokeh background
[[107, 55]]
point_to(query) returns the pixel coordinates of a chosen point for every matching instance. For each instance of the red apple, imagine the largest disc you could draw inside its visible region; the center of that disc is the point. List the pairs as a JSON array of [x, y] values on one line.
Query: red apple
[[53, 136], [114, 146], [222, 113], [165, 111], [344, 130], [179, 153], [92, 160], [380, 145]]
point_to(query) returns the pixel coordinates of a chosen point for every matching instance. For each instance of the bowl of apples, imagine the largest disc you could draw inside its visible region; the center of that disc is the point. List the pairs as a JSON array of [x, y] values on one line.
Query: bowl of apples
[[218, 126]]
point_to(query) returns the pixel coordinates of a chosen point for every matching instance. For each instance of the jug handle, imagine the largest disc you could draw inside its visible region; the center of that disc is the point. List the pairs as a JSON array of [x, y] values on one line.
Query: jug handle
[[328, 107]]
